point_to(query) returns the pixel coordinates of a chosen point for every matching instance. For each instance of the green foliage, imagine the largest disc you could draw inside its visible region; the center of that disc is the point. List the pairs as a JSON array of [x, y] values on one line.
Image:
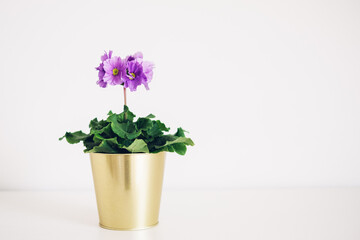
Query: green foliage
[[119, 133], [74, 137]]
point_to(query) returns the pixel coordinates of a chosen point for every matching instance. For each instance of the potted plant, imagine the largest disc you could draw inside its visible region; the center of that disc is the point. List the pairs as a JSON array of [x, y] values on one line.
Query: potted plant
[[128, 154]]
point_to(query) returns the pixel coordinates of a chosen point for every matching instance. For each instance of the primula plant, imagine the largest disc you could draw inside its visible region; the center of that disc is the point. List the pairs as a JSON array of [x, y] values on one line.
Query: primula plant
[[120, 133]]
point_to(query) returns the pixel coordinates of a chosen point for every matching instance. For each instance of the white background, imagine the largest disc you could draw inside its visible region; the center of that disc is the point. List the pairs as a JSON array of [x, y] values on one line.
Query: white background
[[269, 90]]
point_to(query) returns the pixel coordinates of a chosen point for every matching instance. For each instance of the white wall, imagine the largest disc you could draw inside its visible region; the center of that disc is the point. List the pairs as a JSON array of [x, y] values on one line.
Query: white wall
[[268, 89]]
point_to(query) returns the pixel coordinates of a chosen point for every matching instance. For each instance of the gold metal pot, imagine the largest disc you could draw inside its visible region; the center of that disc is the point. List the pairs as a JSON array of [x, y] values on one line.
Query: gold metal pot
[[128, 189]]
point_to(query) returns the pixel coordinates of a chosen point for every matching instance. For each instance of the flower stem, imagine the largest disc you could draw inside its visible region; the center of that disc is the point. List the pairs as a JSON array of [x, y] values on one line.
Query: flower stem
[[125, 100], [124, 96]]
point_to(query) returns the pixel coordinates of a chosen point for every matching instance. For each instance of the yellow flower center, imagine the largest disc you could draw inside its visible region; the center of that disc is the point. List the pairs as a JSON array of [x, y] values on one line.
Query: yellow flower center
[[132, 76], [115, 71]]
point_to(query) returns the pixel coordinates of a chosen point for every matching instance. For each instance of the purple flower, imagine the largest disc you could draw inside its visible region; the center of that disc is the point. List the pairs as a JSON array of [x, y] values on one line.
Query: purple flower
[[134, 75], [101, 70], [137, 72], [131, 72], [114, 68]]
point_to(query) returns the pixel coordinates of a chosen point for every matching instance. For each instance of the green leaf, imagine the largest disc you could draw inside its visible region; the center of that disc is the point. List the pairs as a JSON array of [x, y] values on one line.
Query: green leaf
[[89, 143], [100, 127], [138, 145], [129, 115], [124, 142], [112, 118], [183, 140], [107, 131], [133, 135], [162, 126], [125, 130], [106, 146], [180, 132], [98, 138], [96, 125], [119, 129], [179, 148], [150, 116], [161, 140], [170, 148], [144, 124], [157, 129], [74, 137], [131, 130]]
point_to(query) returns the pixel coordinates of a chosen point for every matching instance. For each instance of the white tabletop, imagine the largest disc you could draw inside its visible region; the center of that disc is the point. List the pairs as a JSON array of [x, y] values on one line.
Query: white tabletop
[[291, 213]]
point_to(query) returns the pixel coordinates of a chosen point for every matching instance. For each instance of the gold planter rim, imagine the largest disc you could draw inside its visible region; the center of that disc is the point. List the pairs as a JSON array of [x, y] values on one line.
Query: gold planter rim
[[128, 154]]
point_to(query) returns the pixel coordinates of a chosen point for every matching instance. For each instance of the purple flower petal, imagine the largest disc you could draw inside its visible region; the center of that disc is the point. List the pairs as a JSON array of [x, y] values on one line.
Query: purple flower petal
[[106, 56], [101, 70], [101, 83], [138, 55], [148, 70], [114, 68]]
